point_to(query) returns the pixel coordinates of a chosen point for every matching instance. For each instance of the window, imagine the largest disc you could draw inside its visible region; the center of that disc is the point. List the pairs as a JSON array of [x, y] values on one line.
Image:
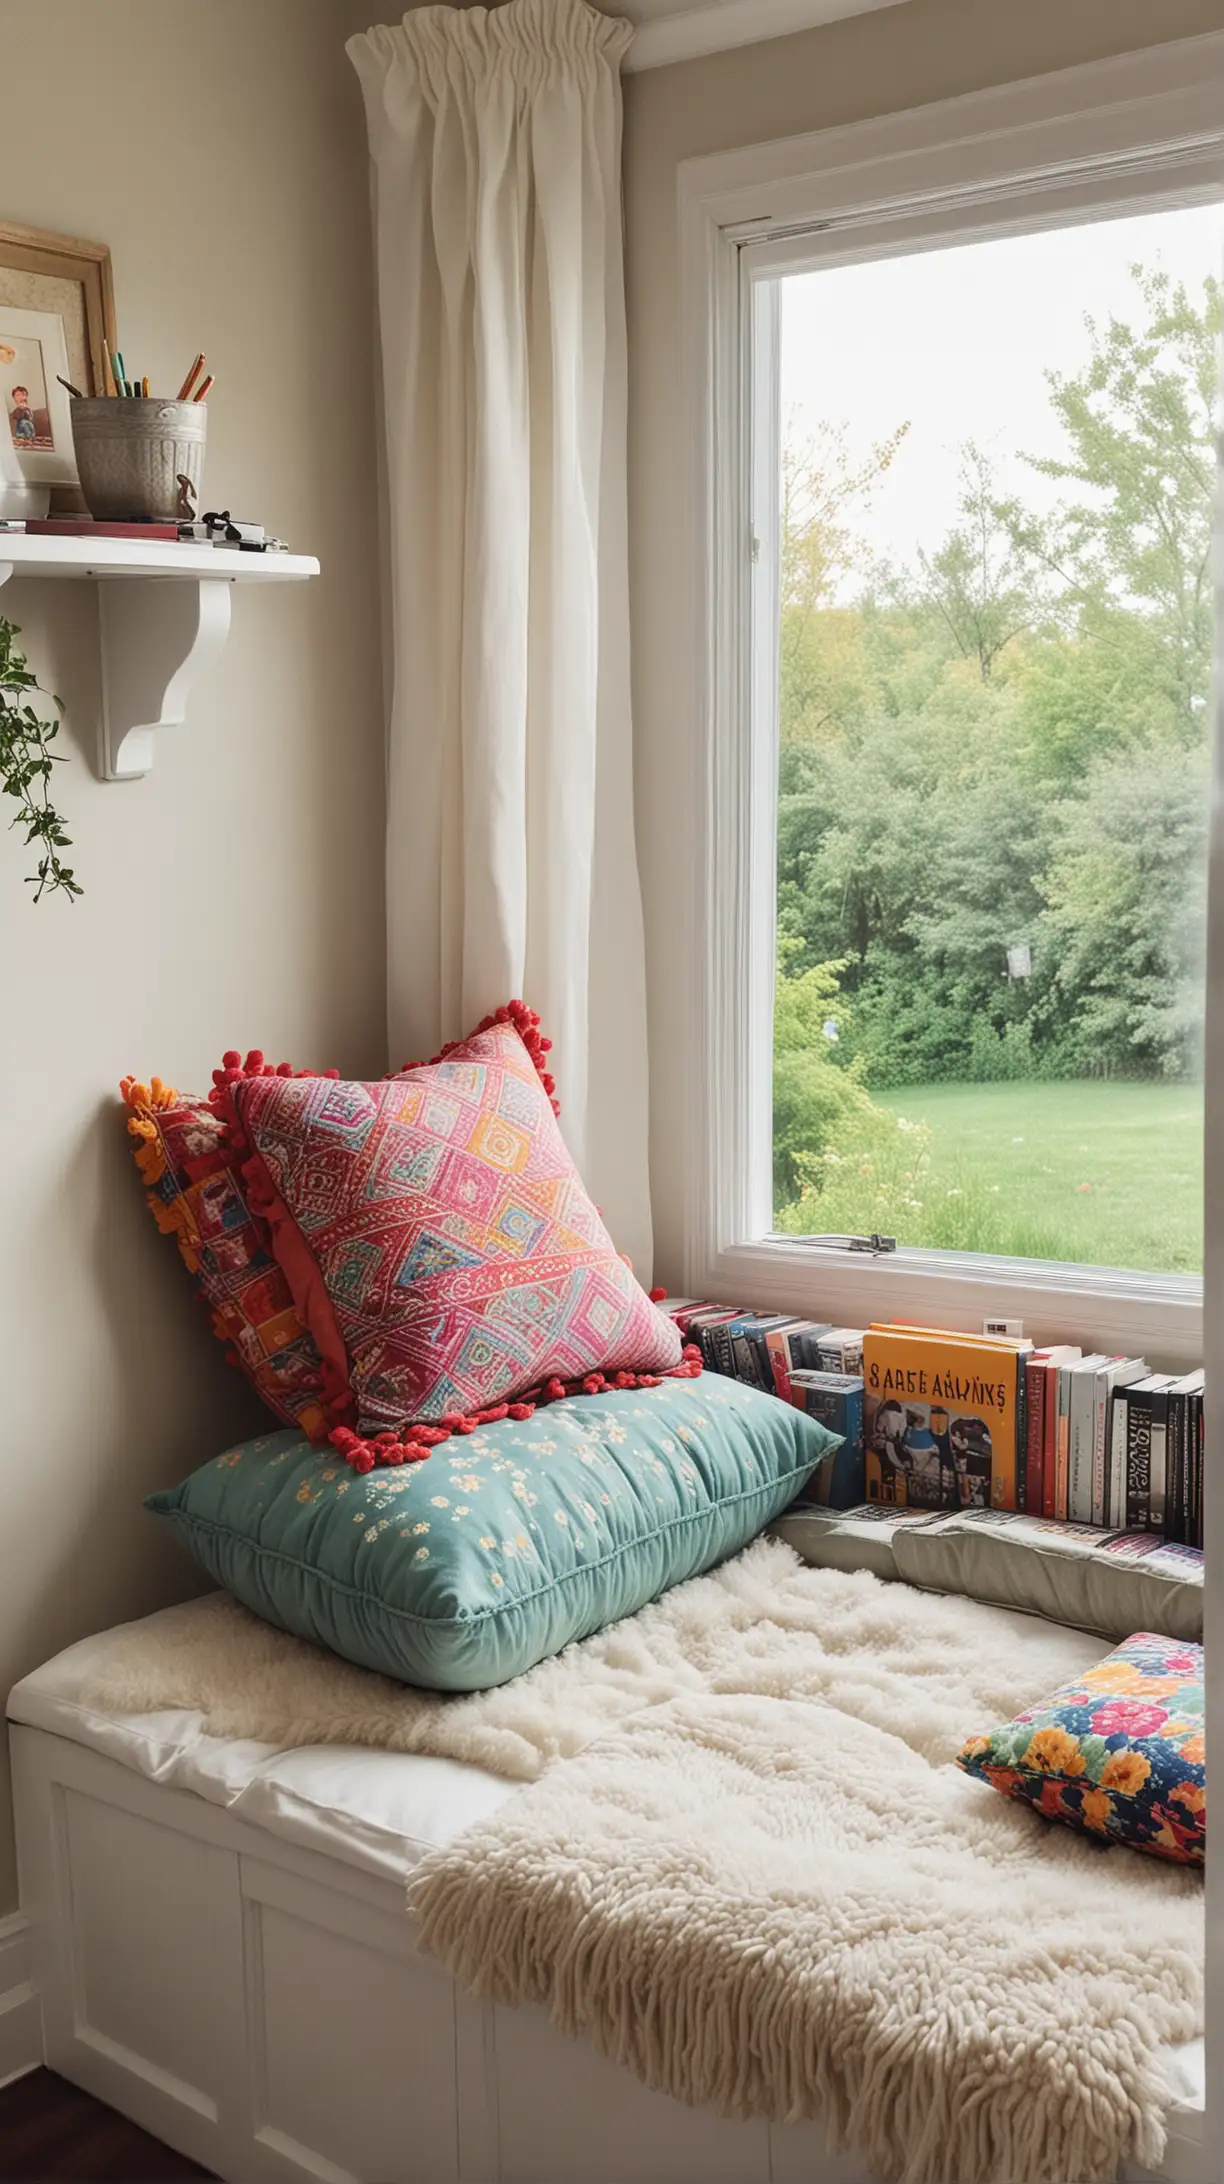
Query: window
[[950, 704], [994, 626]]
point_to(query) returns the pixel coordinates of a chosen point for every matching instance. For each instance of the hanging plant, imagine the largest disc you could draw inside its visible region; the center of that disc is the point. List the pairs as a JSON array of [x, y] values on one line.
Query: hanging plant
[[26, 759]]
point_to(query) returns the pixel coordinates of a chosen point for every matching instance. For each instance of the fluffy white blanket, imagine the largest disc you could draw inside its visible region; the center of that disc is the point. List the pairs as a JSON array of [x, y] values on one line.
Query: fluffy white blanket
[[756, 1879]]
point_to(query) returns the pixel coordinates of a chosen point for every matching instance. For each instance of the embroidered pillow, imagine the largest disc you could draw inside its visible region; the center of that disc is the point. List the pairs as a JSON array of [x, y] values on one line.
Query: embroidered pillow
[[439, 1242], [195, 1193], [1119, 1752]]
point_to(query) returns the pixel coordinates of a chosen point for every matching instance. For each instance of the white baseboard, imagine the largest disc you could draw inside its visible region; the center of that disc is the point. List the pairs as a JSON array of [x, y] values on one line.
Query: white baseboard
[[21, 2041]]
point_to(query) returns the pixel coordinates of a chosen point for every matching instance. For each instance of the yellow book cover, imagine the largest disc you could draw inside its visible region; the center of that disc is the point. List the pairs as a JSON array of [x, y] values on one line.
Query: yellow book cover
[[940, 1420]]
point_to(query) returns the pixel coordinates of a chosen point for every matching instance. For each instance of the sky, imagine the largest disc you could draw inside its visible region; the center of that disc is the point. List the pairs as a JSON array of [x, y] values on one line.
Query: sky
[[958, 341]]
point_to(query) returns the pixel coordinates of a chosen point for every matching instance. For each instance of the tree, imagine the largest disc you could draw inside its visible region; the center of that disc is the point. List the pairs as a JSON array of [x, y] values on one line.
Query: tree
[[1139, 421], [822, 671], [1123, 929], [988, 580]]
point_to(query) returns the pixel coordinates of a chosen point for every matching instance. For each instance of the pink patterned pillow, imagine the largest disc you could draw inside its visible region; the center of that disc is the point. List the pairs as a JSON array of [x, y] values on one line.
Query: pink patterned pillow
[[439, 1243]]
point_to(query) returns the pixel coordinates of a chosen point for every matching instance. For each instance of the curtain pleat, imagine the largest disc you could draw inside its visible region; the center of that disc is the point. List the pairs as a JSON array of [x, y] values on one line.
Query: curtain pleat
[[495, 138]]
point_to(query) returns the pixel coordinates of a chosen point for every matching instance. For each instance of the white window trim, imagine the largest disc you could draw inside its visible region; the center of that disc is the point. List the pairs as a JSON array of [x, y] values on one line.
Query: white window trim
[[1114, 137]]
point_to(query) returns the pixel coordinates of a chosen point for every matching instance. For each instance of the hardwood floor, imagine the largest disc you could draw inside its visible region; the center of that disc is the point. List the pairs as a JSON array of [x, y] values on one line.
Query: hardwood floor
[[49, 2128]]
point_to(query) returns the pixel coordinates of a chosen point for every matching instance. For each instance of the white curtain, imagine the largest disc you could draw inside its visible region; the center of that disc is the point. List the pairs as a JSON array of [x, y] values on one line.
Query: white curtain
[[495, 137]]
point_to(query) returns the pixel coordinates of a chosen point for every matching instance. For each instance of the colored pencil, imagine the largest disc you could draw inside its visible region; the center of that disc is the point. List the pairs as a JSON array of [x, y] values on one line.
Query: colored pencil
[[193, 374], [199, 396]]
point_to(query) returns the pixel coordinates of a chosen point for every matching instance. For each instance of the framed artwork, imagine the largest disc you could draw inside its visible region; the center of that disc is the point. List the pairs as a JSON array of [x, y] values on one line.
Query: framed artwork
[[57, 321]]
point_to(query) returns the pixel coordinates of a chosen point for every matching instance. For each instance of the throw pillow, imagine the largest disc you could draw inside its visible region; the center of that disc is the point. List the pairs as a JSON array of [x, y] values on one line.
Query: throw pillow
[[1118, 1752], [462, 1571], [195, 1192], [439, 1242]]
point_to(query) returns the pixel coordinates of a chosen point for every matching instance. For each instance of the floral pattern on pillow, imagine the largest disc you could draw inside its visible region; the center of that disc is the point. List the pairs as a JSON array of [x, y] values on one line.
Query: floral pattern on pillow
[[1118, 1753]]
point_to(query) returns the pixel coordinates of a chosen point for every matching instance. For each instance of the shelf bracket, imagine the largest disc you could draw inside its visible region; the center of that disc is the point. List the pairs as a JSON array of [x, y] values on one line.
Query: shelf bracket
[[158, 635]]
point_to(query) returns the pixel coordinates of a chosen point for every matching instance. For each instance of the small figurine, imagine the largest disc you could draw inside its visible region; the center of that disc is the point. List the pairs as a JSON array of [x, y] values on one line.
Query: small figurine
[[186, 493]]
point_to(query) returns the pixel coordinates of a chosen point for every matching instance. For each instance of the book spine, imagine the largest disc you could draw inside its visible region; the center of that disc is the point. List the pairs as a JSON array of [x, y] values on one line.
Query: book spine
[[1017, 1499], [1079, 1478], [1116, 1510], [777, 1345], [1138, 1462], [1199, 1460], [1049, 1468], [1158, 1494], [1034, 1436], [744, 1359], [805, 1349], [1175, 1519], [761, 1361], [1062, 1445], [1100, 1414], [1007, 1467]]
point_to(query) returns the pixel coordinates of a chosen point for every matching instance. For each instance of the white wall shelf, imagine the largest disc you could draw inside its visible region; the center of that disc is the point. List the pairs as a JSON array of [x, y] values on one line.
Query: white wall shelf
[[163, 616]]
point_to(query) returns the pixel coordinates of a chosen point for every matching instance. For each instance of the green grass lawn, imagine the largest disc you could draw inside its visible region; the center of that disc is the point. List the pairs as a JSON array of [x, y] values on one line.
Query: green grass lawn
[[1105, 1173]]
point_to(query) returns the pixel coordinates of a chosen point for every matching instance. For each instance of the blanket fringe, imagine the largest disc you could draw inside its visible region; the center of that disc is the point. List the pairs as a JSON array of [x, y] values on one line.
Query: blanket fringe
[[725, 2032]]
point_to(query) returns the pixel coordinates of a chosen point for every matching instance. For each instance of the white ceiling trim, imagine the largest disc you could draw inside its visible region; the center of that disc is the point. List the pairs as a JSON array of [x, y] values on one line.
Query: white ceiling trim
[[714, 25]]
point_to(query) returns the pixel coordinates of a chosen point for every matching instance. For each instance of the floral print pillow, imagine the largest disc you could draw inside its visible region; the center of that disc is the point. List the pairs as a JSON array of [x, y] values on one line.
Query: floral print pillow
[[1119, 1752]]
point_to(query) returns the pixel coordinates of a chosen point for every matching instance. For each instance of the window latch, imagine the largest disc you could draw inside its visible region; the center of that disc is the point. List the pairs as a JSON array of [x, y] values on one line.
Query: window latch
[[875, 1244]]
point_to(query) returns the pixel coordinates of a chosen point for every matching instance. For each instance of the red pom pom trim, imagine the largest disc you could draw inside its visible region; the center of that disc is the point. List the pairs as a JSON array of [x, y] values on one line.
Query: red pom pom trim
[[527, 1024], [417, 1442]]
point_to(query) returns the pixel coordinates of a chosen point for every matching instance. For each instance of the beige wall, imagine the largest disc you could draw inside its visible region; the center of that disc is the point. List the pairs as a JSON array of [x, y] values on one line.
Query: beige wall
[[235, 895], [872, 64]]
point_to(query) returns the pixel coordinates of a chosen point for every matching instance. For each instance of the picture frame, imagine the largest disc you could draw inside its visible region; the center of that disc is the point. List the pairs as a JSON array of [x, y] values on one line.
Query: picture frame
[[57, 320]]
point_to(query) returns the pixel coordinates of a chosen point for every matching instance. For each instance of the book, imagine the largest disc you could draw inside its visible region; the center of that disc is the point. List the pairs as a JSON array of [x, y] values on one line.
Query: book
[[1049, 1435], [792, 1347], [701, 1328], [840, 1350], [1120, 1371], [1180, 1524], [1140, 1399], [836, 1399], [1081, 1381], [1158, 1492], [1062, 1442], [940, 1420], [1119, 1417], [1039, 1368], [746, 1339], [84, 527]]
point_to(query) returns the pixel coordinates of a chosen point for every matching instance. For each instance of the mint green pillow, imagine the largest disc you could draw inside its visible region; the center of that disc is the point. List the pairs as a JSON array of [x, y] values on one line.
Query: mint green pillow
[[460, 1572]]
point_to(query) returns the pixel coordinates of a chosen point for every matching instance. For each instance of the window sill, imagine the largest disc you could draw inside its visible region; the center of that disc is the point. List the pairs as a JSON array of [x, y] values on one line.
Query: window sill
[[1157, 1316]]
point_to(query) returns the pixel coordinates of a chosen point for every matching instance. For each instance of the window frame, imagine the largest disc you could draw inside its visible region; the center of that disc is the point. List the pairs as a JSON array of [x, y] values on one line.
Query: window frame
[[1110, 139]]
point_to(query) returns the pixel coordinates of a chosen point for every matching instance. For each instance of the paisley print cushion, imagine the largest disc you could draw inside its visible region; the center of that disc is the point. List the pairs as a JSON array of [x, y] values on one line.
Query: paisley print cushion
[[1119, 1752], [438, 1241]]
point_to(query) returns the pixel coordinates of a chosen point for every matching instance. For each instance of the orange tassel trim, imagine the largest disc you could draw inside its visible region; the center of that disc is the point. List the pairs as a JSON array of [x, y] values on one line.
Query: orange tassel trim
[[145, 1101]]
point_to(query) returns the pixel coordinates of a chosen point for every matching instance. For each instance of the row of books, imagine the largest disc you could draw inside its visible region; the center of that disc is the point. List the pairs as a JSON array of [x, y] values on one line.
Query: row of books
[[936, 1420], [817, 1367]]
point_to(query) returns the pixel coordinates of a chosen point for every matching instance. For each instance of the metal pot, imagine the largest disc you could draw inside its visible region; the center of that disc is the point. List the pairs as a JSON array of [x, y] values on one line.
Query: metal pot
[[130, 453]]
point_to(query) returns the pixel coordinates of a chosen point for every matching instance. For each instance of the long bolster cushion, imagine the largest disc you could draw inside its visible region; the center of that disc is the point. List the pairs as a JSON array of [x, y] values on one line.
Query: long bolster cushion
[[1111, 1582], [462, 1571]]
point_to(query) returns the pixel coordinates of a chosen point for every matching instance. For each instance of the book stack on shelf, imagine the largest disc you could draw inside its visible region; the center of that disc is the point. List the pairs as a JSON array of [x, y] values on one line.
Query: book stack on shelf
[[932, 1420]]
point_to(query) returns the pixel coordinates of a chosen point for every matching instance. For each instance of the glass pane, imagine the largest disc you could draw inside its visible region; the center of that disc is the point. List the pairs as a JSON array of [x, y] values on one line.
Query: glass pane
[[996, 640]]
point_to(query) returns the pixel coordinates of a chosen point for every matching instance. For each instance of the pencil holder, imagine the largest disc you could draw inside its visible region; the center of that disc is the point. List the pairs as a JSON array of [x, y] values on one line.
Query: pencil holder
[[130, 454]]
